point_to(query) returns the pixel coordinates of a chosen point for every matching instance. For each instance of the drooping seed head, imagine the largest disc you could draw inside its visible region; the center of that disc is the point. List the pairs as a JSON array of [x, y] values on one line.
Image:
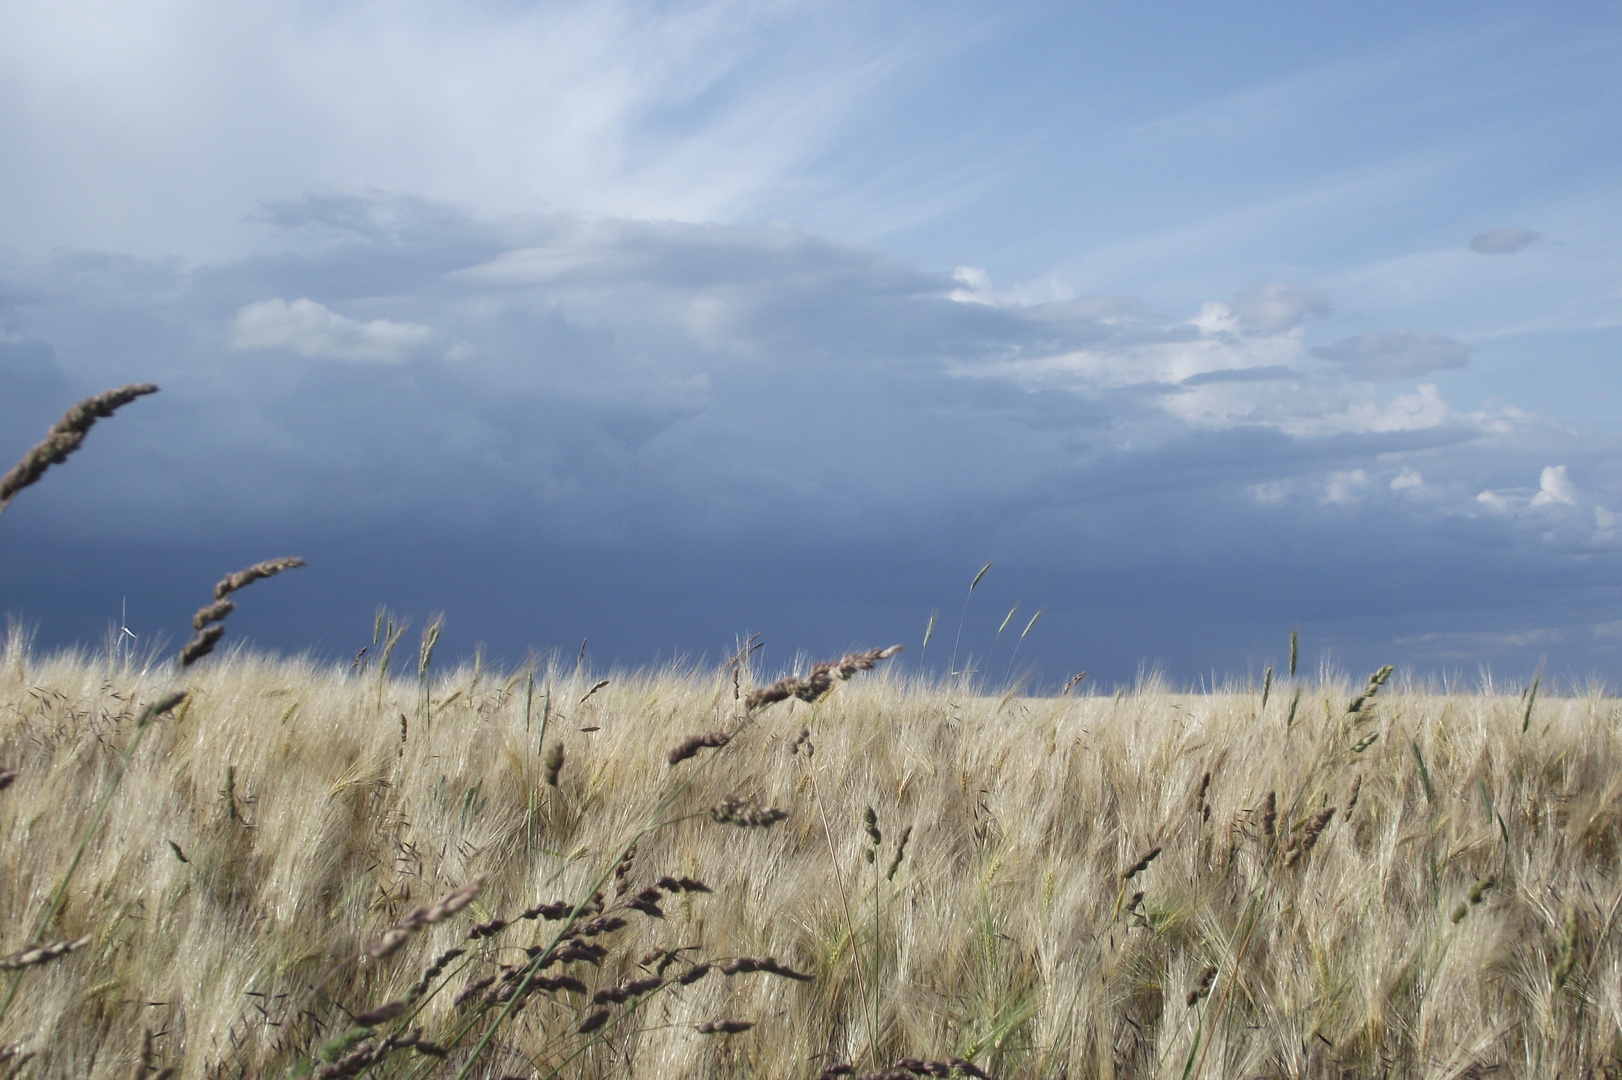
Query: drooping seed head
[[821, 680], [724, 1027], [691, 745], [1141, 865], [66, 436], [257, 572]]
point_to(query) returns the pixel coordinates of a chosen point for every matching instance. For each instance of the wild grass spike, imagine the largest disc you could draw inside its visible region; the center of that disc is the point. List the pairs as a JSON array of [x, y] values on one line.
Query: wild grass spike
[[1141, 865], [690, 746], [66, 436], [821, 681], [208, 620], [401, 932]]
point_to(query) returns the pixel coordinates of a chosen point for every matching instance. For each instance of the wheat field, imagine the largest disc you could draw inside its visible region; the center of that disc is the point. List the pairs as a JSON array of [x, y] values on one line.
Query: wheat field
[[1148, 884]]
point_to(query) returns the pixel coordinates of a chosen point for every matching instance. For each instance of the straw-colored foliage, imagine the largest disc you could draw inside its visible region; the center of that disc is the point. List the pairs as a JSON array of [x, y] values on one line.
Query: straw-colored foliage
[[1455, 914]]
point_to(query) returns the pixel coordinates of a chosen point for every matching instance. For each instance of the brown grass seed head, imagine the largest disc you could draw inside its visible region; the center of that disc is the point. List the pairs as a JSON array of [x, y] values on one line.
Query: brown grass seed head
[[66, 436], [381, 1015], [213, 613], [1207, 977], [900, 853], [691, 745], [167, 703], [208, 620], [257, 572], [724, 1027], [1309, 839], [1141, 865], [449, 905], [201, 644], [747, 813], [821, 680]]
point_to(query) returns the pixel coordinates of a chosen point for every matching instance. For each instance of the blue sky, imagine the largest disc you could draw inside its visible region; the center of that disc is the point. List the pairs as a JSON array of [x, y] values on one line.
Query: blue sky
[[659, 324]]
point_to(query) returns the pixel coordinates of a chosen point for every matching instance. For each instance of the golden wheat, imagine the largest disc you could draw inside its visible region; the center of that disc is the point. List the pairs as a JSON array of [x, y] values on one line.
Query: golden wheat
[[1006, 943]]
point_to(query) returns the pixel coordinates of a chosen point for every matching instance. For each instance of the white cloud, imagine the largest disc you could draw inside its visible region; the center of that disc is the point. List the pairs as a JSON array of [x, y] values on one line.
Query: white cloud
[[1418, 411], [1555, 490], [1554, 486], [312, 330], [1212, 347], [1345, 487], [1506, 240], [1230, 365], [1408, 480], [974, 286]]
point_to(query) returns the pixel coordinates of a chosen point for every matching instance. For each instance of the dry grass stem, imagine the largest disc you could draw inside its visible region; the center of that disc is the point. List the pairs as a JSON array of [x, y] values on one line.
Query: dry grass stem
[[41, 954]]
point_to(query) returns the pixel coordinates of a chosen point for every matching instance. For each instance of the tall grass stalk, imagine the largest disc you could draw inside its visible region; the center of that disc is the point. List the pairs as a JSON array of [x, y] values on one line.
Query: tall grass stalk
[[951, 666]]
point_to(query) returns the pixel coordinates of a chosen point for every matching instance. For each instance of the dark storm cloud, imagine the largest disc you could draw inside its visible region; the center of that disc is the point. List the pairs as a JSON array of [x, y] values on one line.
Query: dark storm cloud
[[657, 434]]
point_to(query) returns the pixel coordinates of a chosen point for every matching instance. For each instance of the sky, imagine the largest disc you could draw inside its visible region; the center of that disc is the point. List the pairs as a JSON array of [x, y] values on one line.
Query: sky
[[658, 325]]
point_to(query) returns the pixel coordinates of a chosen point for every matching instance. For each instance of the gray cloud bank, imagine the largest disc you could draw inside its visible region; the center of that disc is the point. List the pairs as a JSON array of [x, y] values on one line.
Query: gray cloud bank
[[1394, 357], [660, 434]]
